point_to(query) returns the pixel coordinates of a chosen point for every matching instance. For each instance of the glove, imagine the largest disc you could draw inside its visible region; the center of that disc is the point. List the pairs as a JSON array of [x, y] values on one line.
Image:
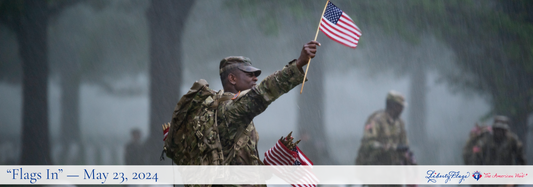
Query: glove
[[402, 148]]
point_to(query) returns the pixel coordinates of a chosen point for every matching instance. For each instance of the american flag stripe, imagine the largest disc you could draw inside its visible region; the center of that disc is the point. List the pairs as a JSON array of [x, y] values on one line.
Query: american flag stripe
[[284, 151], [276, 153], [311, 178], [337, 35], [283, 160], [279, 155], [301, 181], [276, 159], [339, 27], [348, 23], [306, 181], [304, 158], [331, 32], [343, 30], [289, 175]]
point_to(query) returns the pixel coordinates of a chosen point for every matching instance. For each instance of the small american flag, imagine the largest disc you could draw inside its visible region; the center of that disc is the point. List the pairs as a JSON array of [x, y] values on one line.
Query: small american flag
[[166, 128], [280, 155], [339, 26]]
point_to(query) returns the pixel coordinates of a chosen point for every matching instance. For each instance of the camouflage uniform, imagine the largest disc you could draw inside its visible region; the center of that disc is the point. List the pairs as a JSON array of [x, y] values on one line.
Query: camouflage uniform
[[471, 155], [381, 136], [237, 131], [509, 151]]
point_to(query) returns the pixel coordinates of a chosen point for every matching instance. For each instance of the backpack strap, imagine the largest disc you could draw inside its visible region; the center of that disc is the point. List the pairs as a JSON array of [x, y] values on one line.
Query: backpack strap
[[219, 98], [220, 156]]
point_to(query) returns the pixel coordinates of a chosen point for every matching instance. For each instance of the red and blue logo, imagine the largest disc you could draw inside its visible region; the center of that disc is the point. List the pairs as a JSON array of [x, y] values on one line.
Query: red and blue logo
[[477, 175]]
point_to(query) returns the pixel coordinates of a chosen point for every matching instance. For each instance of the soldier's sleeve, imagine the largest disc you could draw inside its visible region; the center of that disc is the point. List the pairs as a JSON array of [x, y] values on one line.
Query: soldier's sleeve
[[520, 156], [371, 133], [253, 102]]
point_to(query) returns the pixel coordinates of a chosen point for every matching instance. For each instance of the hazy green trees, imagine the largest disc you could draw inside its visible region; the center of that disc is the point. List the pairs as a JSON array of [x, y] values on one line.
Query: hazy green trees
[[74, 60], [489, 38]]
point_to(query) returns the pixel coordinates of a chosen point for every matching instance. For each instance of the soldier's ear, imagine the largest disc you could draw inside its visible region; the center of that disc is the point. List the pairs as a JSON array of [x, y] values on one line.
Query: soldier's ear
[[232, 79]]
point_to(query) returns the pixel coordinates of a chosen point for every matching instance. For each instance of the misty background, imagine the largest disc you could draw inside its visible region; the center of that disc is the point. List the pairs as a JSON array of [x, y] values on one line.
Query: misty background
[[102, 62]]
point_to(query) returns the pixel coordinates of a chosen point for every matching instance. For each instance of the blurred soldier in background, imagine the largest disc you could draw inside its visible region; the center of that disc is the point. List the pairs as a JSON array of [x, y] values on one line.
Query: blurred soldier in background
[[501, 147], [495, 145], [471, 150], [384, 140], [134, 150]]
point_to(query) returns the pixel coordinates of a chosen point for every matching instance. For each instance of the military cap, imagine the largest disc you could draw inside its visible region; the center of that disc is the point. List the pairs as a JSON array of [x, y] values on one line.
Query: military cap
[[501, 122], [243, 63], [499, 118], [396, 97]]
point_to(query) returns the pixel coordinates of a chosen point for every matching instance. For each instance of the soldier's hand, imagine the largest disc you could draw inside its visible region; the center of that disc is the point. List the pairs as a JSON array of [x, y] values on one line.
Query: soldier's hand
[[308, 52], [402, 148]]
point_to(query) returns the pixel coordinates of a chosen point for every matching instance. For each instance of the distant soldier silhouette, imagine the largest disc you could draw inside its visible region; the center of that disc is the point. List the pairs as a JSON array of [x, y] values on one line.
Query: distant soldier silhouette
[[502, 147], [384, 139], [134, 150], [471, 151], [496, 145]]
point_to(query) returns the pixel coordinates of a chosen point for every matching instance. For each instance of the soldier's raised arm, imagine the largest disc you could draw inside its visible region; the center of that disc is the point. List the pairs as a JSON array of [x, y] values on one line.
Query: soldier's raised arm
[[251, 102]]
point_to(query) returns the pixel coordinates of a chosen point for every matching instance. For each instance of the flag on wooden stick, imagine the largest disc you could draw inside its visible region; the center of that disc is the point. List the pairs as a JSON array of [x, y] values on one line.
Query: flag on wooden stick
[[338, 26]]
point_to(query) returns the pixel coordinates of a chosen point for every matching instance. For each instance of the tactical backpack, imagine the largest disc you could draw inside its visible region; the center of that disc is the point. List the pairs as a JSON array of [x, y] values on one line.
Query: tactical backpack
[[193, 137], [478, 133]]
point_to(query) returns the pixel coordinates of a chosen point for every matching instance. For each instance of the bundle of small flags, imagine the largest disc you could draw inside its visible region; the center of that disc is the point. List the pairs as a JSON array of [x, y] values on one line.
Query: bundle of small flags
[[286, 153], [166, 128]]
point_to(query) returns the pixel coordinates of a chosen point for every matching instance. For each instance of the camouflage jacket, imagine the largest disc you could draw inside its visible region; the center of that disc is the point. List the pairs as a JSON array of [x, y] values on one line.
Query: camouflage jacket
[[471, 149], [237, 131], [382, 135], [508, 152]]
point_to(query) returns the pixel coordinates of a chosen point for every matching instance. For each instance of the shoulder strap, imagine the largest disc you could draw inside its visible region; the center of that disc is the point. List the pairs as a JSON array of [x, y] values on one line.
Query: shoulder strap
[[218, 144], [219, 98]]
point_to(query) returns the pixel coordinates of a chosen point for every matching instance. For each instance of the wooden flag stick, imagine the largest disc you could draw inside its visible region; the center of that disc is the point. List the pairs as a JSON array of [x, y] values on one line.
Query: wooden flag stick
[[316, 35]]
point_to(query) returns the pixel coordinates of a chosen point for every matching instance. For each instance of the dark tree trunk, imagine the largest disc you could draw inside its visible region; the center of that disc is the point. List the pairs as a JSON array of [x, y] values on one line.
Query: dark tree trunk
[[311, 115], [519, 125], [524, 105], [70, 136], [417, 133], [32, 37], [417, 106], [167, 22], [69, 70]]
